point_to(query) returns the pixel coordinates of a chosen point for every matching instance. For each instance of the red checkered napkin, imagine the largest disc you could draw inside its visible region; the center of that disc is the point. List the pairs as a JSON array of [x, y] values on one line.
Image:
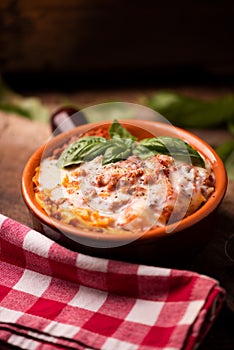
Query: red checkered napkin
[[51, 297]]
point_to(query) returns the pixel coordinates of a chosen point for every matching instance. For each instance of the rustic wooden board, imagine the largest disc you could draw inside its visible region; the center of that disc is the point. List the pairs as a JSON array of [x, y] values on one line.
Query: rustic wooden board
[[20, 137], [90, 36]]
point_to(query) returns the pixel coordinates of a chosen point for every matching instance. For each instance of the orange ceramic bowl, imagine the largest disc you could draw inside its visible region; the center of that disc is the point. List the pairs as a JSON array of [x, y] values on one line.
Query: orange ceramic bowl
[[171, 245]]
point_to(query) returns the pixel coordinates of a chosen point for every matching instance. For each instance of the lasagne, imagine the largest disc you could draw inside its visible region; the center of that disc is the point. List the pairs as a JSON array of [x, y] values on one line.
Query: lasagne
[[134, 194]]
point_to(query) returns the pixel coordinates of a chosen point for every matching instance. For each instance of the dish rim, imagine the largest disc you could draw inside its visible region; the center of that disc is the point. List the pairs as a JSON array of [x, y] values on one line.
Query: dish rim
[[203, 147]]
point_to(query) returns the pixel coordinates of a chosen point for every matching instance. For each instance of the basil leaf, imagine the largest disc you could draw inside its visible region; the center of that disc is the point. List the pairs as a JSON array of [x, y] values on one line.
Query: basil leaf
[[170, 146], [229, 164], [190, 112], [155, 144], [225, 149], [181, 149], [78, 150], [9, 108], [231, 127], [118, 149], [118, 131], [142, 151], [93, 152], [90, 147], [226, 153], [29, 107], [149, 147]]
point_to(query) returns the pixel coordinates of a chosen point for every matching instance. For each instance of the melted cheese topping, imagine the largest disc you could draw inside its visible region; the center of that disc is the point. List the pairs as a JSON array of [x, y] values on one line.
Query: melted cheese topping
[[134, 194]]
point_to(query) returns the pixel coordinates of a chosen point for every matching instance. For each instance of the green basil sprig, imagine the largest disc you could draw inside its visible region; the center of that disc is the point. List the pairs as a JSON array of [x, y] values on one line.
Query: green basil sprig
[[118, 131], [81, 148], [191, 112], [226, 153], [118, 149], [122, 145], [171, 146], [84, 150]]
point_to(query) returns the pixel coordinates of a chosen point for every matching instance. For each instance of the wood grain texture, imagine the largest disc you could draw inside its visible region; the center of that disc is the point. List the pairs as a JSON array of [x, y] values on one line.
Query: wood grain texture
[[90, 35], [18, 140], [20, 137]]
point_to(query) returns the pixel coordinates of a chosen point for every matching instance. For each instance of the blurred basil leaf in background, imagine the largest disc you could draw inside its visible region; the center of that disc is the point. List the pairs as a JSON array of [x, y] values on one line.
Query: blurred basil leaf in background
[[28, 107], [190, 112], [118, 131], [226, 153], [180, 110]]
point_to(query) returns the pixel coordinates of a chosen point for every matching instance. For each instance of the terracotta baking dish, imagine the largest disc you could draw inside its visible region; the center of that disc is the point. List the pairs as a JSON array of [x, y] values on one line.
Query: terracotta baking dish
[[173, 245]]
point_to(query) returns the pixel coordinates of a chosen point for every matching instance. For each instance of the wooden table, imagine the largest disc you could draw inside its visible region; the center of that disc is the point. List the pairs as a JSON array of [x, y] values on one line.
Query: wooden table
[[20, 137]]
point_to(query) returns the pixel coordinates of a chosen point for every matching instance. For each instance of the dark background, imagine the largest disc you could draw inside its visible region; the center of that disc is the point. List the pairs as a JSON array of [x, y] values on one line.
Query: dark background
[[90, 45], [80, 43]]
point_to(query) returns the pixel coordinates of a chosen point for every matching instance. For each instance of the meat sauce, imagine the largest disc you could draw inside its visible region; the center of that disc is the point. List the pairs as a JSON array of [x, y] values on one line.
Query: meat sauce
[[130, 195]]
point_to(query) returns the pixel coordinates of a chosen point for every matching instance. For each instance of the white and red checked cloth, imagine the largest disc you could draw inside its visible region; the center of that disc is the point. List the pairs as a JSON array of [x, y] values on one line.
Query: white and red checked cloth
[[51, 298]]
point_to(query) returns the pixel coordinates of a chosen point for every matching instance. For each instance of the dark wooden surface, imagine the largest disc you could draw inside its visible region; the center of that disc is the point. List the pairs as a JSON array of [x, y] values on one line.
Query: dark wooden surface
[[88, 36], [20, 137]]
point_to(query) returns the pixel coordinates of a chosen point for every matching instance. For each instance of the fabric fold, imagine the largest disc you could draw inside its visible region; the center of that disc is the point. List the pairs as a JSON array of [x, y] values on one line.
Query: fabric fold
[[52, 297]]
